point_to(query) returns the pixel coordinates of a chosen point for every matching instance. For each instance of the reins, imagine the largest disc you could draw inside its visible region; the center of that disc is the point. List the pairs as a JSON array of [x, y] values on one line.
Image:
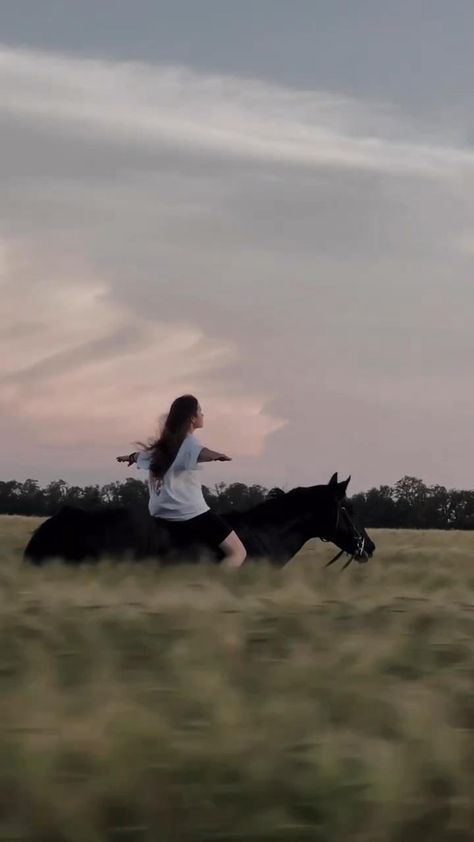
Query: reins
[[360, 540]]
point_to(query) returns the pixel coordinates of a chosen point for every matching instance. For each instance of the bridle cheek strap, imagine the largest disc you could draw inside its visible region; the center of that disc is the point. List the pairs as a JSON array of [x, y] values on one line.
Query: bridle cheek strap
[[360, 541]]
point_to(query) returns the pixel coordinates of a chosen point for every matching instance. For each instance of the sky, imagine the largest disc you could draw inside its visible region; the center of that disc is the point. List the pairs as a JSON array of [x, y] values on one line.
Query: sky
[[268, 204]]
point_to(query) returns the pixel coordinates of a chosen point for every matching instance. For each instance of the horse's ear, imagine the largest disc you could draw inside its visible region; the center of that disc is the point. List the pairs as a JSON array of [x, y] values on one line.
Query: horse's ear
[[339, 488], [343, 486]]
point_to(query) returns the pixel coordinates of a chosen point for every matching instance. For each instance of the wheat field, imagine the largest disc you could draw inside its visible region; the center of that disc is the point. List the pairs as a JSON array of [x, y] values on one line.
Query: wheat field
[[192, 705]]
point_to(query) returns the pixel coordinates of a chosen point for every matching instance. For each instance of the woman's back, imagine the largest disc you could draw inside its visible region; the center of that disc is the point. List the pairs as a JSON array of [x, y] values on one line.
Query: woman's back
[[178, 496]]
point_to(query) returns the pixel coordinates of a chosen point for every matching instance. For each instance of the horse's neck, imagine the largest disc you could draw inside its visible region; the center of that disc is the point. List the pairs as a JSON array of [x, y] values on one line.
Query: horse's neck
[[279, 541], [296, 532], [293, 538]]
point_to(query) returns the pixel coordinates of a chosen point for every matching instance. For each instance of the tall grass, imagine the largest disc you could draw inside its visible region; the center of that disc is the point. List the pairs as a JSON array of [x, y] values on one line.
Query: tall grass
[[141, 704]]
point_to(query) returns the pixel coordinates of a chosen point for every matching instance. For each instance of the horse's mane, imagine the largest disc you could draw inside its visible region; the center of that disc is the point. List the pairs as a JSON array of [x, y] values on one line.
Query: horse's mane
[[274, 507]]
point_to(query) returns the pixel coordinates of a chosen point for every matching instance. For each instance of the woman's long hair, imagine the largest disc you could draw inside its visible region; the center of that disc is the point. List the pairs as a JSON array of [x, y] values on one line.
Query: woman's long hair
[[175, 429]]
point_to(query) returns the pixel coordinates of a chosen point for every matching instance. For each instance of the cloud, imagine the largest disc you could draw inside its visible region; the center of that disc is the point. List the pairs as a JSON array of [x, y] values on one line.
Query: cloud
[[82, 372], [298, 259], [147, 105]]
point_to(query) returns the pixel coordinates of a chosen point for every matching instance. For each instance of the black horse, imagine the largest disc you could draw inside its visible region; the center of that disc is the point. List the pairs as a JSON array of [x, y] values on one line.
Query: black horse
[[275, 530]]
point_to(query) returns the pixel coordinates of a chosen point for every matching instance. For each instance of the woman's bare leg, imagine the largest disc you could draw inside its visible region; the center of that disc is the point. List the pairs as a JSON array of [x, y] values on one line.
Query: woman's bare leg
[[234, 550]]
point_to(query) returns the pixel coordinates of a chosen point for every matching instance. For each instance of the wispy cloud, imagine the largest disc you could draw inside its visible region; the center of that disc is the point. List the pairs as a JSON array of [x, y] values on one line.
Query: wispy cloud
[[146, 105]]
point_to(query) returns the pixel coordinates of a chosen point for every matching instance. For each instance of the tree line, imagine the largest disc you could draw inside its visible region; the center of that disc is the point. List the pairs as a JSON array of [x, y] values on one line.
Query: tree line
[[409, 504]]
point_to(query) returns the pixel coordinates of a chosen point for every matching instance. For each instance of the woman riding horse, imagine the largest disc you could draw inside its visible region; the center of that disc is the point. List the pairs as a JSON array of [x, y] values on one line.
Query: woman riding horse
[[176, 498]]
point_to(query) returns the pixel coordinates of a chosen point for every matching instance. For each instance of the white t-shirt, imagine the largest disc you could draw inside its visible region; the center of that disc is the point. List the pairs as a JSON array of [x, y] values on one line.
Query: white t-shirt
[[179, 495]]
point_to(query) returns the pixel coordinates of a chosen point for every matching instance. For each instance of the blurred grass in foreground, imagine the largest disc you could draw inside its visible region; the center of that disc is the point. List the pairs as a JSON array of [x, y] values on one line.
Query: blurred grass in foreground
[[141, 705]]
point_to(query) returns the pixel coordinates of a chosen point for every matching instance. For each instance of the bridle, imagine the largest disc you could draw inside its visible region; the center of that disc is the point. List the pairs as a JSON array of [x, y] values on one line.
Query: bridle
[[359, 538]]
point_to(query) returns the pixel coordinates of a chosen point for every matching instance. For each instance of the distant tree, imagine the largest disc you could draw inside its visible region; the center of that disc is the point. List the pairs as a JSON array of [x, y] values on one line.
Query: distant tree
[[74, 495], [54, 495], [91, 496], [411, 496], [407, 504], [239, 496], [462, 510], [30, 498], [111, 493], [9, 497], [133, 492], [377, 507], [437, 506]]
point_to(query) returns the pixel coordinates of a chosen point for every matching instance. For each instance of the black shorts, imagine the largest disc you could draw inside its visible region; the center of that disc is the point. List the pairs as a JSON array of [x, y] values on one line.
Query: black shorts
[[208, 529]]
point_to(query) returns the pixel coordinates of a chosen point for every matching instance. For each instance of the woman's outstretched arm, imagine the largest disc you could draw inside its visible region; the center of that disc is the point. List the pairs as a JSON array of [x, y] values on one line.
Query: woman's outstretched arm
[[207, 455], [131, 458]]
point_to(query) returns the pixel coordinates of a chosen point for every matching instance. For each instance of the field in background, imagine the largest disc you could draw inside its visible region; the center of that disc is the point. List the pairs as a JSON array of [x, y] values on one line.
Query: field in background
[[142, 705]]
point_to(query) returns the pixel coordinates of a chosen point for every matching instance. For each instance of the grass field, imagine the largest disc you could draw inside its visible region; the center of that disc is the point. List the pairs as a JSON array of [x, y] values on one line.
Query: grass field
[[141, 705]]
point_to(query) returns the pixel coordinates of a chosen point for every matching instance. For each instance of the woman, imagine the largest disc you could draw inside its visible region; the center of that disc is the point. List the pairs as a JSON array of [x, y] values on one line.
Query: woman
[[176, 495]]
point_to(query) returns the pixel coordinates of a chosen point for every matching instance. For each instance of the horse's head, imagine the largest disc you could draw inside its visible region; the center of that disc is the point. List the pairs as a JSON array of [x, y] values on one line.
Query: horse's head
[[342, 527]]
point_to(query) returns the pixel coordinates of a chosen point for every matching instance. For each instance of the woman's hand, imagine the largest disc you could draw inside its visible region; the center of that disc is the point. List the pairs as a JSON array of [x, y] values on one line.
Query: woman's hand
[[223, 458], [130, 459]]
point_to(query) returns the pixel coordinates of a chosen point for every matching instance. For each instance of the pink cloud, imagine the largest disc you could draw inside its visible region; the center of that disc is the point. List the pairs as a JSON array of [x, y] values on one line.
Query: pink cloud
[[86, 377]]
